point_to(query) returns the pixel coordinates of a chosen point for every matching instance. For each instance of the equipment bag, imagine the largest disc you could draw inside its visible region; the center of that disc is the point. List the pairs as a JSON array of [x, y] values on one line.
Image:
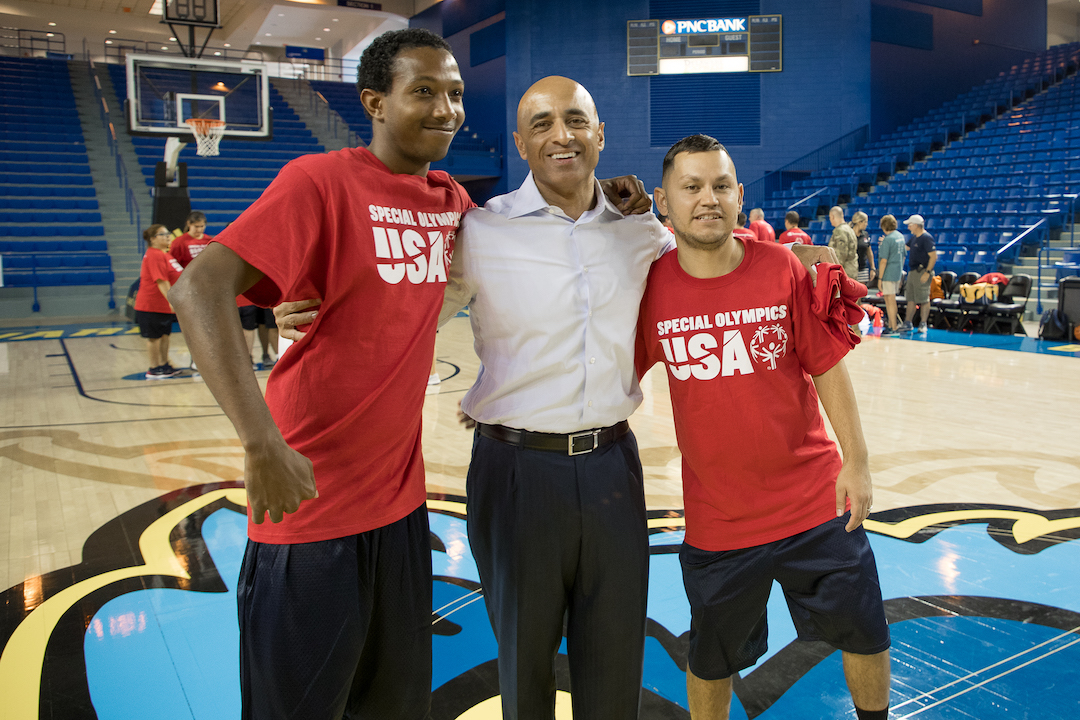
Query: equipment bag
[[1053, 325]]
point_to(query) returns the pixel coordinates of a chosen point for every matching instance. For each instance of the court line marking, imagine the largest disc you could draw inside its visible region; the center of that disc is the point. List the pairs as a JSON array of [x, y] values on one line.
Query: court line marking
[[457, 600], [990, 680], [972, 674], [481, 597]]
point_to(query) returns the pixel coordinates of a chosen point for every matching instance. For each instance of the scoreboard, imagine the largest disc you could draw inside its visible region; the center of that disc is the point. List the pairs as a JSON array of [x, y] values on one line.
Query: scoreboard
[[710, 45]]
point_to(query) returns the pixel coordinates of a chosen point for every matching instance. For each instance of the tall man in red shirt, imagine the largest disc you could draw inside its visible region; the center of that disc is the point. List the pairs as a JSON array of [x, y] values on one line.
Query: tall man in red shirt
[[335, 592], [767, 495]]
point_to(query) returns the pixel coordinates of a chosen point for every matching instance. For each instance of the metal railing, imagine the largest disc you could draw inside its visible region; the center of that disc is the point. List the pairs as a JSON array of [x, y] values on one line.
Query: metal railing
[[17, 42], [123, 177], [317, 104], [756, 192]]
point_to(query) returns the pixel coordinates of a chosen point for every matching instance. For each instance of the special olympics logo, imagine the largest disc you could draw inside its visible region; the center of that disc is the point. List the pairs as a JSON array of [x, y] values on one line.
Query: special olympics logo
[[668, 28], [769, 344]]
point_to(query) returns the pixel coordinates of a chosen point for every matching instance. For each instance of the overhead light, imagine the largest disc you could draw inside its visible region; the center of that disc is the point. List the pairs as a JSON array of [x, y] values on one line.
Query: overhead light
[[228, 45], [281, 14], [163, 47], [108, 42], [49, 34], [318, 38], [52, 24], [267, 34], [258, 42], [217, 53], [326, 29], [172, 39], [334, 20], [112, 32], [220, 87]]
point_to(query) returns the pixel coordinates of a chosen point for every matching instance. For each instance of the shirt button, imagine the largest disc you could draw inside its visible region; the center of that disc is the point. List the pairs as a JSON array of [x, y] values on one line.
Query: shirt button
[[592, 360], [590, 313], [586, 271], [590, 403]]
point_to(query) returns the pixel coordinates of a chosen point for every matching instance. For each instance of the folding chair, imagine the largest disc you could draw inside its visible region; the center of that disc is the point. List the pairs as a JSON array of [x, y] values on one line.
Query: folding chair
[[1009, 309]]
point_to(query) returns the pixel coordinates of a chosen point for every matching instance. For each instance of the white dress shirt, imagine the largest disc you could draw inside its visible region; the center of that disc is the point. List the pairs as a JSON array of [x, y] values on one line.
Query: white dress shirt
[[553, 304]]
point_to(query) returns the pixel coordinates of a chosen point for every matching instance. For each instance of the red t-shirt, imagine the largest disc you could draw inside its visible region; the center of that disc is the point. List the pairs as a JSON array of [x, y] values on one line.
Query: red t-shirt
[[744, 233], [763, 230], [156, 265], [757, 465], [794, 235], [186, 248], [376, 247]]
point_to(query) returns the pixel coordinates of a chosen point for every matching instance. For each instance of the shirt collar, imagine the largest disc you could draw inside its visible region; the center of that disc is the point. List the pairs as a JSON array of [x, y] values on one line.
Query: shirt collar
[[528, 200]]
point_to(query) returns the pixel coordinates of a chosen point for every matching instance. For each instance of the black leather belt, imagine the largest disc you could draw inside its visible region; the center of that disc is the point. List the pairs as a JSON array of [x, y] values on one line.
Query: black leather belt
[[577, 443]]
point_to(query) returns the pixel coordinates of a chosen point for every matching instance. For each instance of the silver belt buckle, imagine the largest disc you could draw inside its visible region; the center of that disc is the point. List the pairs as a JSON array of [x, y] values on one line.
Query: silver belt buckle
[[594, 434]]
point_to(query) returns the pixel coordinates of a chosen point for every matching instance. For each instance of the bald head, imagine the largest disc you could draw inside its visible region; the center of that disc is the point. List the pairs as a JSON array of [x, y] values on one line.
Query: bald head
[[560, 136], [553, 92], [757, 214]]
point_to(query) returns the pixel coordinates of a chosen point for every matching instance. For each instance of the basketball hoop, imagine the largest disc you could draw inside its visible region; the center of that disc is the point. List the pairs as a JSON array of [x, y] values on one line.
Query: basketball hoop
[[208, 134]]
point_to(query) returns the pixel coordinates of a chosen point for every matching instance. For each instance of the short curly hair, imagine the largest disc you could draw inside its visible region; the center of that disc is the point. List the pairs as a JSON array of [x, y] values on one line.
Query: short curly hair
[[376, 69]]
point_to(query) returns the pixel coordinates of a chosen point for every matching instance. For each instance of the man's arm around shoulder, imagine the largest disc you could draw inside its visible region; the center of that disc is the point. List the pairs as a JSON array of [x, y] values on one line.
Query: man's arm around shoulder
[[277, 477]]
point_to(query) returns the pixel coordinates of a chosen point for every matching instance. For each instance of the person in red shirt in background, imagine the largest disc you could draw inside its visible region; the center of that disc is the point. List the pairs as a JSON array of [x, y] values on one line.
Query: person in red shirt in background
[[153, 312], [194, 240], [793, 233], [741, 231], [764, 231]]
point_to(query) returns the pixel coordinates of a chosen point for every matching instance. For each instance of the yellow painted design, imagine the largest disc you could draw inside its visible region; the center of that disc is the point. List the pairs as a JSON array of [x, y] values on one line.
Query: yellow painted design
[[491, 709], [1065, 348], [45, 334], [660, 522], [20, 665], [453, 506], [1027, 526]]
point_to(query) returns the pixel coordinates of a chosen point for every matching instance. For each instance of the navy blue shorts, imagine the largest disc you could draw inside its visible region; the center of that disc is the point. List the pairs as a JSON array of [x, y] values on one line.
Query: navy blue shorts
[[338, 625], [830, 582], [153, 325], [249, 317]]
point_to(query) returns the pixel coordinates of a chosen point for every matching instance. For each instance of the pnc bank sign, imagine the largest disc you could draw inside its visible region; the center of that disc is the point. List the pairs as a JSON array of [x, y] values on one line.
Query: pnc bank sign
[[714, 25]]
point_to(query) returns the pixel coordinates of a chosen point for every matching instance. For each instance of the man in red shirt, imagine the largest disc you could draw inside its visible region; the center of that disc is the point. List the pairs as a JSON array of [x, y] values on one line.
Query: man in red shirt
[[793, 233], [763, 230], [335, 592], [738, 327]]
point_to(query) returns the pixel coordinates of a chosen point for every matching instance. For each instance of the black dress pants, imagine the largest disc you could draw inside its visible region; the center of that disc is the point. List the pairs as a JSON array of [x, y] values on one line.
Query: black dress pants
[[557, 536]]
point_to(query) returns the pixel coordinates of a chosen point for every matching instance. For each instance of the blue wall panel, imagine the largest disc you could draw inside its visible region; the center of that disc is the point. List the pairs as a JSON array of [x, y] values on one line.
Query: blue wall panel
[[487, 44], [898, 26], [457, 15], [682, 105], [971, 7], [909, 82], [822, 93]]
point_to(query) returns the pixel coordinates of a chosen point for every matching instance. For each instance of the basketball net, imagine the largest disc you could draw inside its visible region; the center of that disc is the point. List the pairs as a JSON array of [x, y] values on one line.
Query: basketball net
[[208, 134]]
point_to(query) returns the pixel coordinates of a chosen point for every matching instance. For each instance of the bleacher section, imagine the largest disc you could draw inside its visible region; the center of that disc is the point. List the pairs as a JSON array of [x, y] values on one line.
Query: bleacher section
[[995, 182], [1003, 154], [470, 153], [225, 185], [46, 190]]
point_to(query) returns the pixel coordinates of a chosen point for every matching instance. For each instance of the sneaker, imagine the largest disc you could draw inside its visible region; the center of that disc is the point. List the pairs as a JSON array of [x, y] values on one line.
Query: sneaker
[[157, 373], [170, 371], [267, 362], [433, 379], [886, 331], [906, 328], [922, 328]]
